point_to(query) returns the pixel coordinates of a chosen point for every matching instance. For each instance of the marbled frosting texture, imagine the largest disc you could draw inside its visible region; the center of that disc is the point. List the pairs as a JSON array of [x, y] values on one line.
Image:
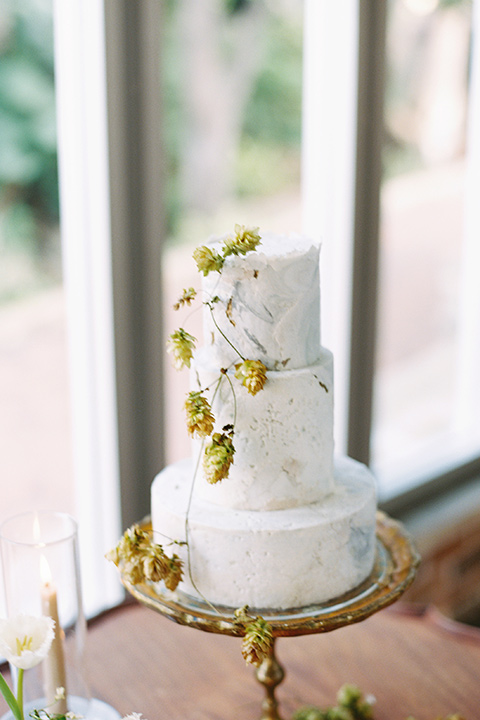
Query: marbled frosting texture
[[269, 305]]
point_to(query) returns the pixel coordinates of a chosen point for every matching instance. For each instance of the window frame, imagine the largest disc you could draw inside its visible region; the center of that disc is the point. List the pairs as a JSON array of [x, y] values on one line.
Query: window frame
[[115, 301], [350, 263], [110, 165]]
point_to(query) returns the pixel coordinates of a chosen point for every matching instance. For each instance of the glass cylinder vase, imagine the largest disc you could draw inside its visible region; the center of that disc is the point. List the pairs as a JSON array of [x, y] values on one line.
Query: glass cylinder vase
[[41, 577]]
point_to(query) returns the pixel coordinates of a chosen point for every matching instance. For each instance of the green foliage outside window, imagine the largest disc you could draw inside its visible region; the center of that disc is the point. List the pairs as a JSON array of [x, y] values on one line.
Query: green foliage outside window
[[28, 159]]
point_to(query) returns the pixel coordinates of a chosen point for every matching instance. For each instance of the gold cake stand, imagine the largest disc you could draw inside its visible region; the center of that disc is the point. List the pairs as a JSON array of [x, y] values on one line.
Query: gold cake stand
[[395, 567]]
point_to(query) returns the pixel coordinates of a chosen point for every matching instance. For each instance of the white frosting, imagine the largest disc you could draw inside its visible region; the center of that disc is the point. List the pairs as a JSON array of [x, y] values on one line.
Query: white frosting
[[286, 528], [277, 559], [269, 305], [283, 438]]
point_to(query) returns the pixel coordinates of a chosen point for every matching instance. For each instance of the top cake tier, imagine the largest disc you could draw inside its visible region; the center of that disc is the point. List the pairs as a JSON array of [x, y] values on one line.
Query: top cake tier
[[268, 304]]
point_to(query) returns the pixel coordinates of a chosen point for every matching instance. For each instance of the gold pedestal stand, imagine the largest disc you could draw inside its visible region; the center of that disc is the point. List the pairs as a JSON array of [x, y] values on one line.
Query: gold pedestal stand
[[394, 570]]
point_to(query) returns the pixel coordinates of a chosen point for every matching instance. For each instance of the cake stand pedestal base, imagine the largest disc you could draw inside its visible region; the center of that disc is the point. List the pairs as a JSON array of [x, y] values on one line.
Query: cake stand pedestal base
[[395, 567], [270, 674]]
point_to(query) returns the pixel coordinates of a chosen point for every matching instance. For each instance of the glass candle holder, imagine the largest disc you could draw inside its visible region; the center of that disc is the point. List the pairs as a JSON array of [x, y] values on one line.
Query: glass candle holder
[[42, 577]]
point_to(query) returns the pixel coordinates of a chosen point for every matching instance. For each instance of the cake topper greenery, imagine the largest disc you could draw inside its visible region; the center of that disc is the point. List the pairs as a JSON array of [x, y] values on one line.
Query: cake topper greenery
[[139, 556]]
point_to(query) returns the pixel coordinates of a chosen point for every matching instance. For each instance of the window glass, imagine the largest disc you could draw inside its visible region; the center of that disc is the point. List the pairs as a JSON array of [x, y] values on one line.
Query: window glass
[[35, 459], [233, 85], [423, 421]]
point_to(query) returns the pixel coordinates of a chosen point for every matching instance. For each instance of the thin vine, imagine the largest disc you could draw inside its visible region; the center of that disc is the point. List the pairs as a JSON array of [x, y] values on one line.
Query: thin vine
[[140, 558]]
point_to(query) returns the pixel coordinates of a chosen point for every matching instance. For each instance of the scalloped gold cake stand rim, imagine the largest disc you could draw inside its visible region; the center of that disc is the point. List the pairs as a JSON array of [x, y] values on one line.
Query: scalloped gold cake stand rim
[[395, 567]]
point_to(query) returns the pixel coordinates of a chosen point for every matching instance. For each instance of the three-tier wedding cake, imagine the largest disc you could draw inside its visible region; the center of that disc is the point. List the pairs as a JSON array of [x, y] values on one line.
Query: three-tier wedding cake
[[289, 525]]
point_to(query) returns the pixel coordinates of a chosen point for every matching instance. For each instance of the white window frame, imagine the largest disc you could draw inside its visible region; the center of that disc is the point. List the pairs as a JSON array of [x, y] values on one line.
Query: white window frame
[[110, 161], [343, 110], [87, 261], [328, 174]]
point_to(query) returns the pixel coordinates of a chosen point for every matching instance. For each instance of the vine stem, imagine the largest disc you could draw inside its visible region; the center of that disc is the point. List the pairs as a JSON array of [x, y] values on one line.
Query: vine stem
[[222, 333], [234, 398], [187, 514]]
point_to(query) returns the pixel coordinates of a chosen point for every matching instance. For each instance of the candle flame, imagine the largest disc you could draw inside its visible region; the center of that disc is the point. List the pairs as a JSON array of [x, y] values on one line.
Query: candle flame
[[45, 572]]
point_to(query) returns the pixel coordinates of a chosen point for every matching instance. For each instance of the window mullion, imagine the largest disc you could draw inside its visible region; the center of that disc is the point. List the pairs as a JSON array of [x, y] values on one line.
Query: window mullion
[[133, 44], [371, 69]]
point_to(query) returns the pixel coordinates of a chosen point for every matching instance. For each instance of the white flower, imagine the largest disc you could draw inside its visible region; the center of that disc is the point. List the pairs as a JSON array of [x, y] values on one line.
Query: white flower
[[25, 640], [133, 716]]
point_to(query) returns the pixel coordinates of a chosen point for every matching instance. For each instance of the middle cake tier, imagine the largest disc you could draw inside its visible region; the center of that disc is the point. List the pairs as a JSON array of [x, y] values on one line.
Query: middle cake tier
[[283, 437]]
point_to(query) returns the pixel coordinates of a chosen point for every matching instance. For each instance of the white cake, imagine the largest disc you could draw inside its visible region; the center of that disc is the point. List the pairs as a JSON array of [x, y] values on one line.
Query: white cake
[[289, 526]]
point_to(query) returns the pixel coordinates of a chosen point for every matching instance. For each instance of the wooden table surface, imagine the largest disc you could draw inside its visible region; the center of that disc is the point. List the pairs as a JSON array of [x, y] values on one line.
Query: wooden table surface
[[413, 661]]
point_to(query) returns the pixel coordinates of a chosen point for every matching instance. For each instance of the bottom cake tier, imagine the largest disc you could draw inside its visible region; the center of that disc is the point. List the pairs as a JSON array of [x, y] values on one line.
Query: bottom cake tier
[[274, 559]]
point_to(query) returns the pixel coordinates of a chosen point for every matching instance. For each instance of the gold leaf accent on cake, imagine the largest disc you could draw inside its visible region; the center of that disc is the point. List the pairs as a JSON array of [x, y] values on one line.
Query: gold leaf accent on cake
[[322, 384], [228, 312]]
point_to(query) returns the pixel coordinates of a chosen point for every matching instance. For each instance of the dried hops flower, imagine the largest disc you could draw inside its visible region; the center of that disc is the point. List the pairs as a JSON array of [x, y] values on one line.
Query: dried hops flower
[[200, 419], [141, 559], [207, 259], [181, 345], [219, 455], [253, 375], [133, 571], [257, 642], [132, 542], [186, 298], [175, 572], [244, 240], [155, 563]]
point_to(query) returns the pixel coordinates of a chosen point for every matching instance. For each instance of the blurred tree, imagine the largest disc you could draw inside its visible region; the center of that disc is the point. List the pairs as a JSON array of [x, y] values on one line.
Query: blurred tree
[[220, 51], [28, 155], [233, 88]]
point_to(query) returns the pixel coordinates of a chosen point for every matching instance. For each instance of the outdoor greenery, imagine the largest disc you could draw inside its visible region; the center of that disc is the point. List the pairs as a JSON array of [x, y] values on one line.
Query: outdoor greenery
[[265, 135], [28, 164], [268, 148]]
